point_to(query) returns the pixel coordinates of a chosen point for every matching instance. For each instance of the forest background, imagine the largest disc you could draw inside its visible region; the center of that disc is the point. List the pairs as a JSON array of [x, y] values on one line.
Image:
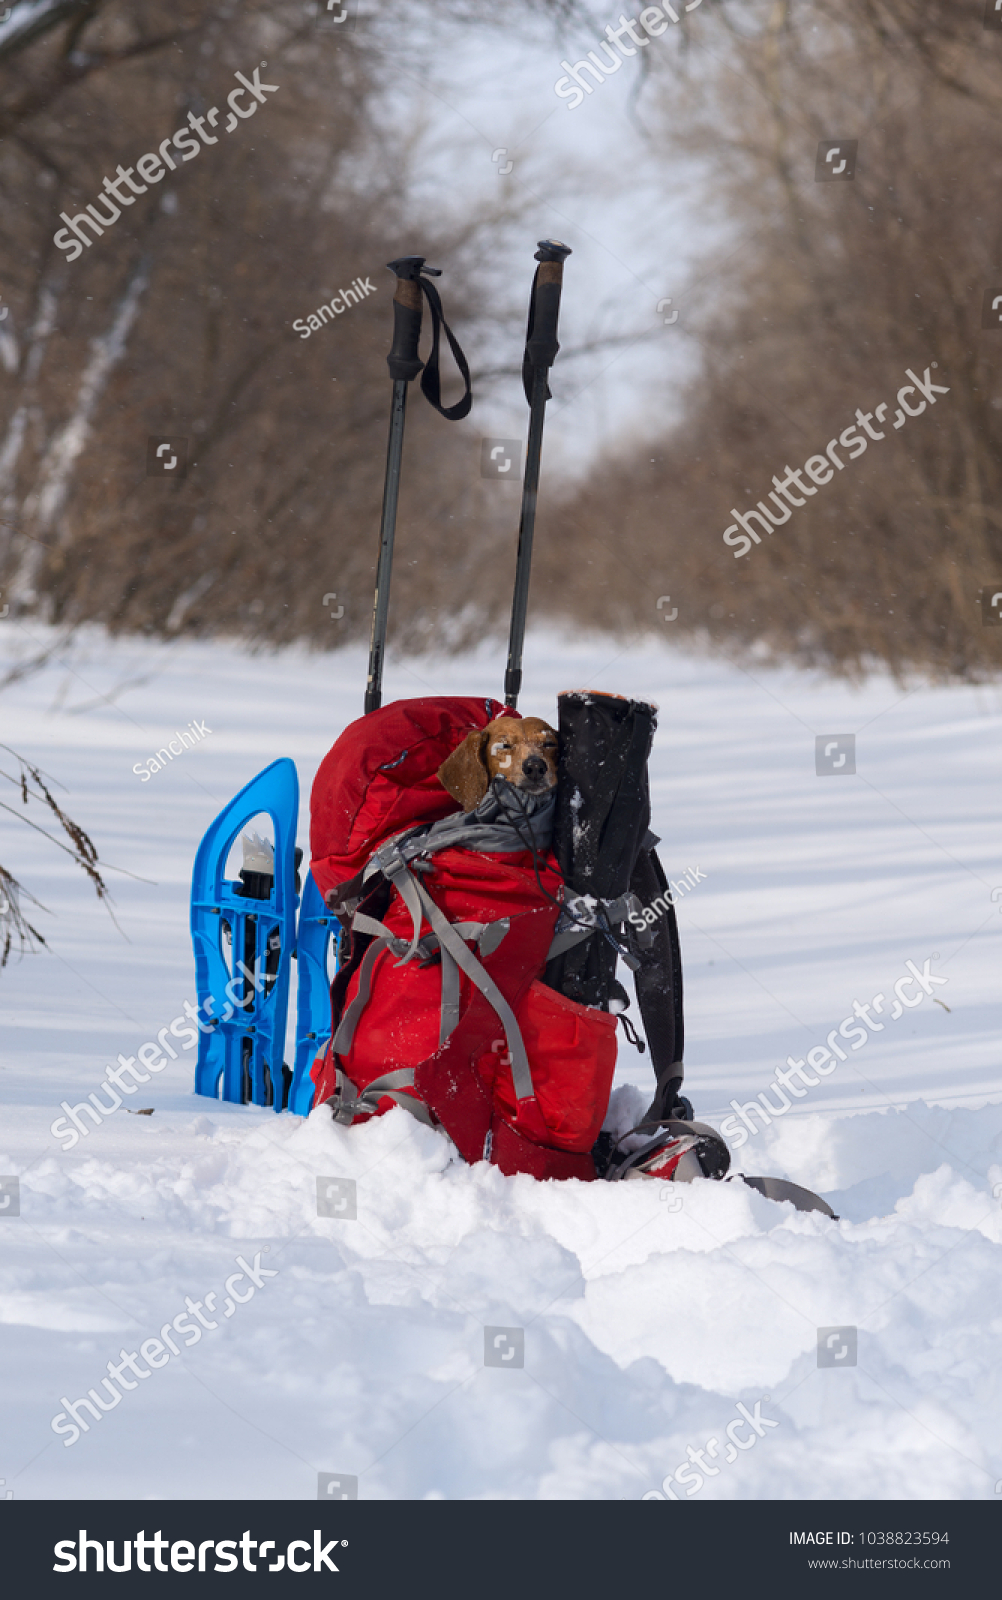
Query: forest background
[[798, 301]]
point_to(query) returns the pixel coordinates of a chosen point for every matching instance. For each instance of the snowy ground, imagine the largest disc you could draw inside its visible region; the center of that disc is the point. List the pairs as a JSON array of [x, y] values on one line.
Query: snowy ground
[[649, 1314]]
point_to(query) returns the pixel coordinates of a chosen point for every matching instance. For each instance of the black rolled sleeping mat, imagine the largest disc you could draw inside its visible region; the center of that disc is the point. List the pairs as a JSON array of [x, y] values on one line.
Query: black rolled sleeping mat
[[604, 846]]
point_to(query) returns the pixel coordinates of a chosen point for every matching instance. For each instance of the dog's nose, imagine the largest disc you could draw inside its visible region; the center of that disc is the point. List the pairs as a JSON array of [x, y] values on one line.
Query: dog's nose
[[534, 767]]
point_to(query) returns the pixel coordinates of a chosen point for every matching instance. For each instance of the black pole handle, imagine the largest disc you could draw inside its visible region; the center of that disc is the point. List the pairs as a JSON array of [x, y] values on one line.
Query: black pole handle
[[540, 353], [403, 360], [405, 363], [541, 343]]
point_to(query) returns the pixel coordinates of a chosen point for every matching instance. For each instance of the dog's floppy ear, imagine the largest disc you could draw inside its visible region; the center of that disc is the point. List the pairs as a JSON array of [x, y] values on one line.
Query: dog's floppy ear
[[464, 773]]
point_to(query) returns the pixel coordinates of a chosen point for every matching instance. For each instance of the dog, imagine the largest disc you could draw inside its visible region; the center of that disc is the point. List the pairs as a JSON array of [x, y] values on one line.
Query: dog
[[522, 750]]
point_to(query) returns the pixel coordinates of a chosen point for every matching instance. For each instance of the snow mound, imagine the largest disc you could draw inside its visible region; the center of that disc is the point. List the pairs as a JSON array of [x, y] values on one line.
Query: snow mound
[[466, 1335], [648, 1312]]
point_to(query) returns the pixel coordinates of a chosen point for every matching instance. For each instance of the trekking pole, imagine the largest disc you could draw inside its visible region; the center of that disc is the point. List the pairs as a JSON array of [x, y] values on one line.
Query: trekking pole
[[404, 363], [540, 353]]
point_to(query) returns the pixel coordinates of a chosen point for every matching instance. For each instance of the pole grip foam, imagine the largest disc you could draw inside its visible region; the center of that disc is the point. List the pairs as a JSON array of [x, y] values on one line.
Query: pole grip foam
[[541, 345], [403, 360]]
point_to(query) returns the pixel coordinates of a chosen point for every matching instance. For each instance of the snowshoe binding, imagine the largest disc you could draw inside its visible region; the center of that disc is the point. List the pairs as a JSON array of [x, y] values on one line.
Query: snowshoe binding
[[679, 1152]]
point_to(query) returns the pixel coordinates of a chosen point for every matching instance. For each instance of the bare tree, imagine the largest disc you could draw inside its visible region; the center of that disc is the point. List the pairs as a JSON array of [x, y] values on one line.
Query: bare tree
[[828, 293], [178, 322]]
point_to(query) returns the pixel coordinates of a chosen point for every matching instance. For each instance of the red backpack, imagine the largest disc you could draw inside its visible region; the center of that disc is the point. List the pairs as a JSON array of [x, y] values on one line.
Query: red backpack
[[437, 1004]]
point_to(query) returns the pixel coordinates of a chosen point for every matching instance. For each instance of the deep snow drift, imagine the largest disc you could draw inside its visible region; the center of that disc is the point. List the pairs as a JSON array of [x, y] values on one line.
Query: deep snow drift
[[668, 1332]]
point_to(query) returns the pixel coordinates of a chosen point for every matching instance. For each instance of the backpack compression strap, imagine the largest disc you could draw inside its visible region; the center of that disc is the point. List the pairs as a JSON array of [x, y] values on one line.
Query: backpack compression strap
[[346, 1103], [585, 915], [490, 827], [418, 901], [487, 934]]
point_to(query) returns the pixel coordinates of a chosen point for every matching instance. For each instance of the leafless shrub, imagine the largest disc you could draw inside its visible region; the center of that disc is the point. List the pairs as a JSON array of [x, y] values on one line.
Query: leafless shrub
[[32, 784]]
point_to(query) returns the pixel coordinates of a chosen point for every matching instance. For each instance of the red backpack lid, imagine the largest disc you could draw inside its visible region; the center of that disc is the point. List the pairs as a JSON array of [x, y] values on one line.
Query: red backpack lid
[[380, 777]]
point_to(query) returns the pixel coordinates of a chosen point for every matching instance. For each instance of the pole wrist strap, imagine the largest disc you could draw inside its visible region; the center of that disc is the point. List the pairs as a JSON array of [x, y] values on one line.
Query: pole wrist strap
[[430, 384]]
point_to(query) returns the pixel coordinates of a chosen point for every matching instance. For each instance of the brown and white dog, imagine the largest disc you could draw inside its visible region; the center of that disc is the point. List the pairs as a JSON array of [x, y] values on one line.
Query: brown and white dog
[[521, 749]]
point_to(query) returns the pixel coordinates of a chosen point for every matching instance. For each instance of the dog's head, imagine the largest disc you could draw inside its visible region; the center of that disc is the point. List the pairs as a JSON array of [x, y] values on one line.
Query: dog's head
[[521, 749]]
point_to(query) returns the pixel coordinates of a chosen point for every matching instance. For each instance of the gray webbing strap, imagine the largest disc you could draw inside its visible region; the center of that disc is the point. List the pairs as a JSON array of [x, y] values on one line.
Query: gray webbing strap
[[389, 1087], [344, 1099], [488, 936], [347, 1103], [349, 1022], [395, 869], [467, 961], [426, 946], [614, 911], [567, 941], [491, 934], [371, 925], [455, 956], [391, 863], [450, 997]]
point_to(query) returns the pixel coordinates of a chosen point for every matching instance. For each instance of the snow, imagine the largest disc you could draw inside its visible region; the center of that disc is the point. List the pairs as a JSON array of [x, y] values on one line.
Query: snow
[[651, 1313]]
